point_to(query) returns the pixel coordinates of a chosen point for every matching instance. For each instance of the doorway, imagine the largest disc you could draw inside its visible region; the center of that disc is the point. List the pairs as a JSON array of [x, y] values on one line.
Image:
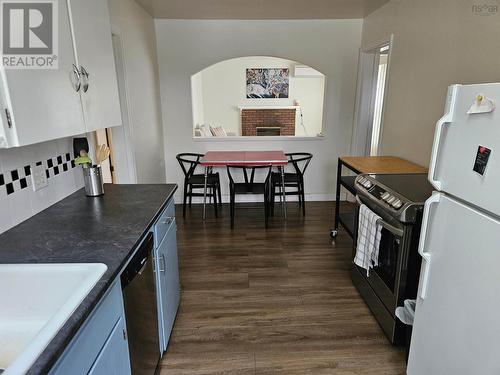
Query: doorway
[[370, 98]]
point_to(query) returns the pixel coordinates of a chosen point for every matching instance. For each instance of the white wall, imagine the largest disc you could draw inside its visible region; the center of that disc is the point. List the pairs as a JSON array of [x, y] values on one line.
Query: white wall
[[136, 31], [331, 46], [223, 88], [197, 99], [24, 203], [436, 43]]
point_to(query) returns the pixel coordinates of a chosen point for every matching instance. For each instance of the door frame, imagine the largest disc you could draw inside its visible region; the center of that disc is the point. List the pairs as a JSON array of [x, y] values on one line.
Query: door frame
[[365, 96]]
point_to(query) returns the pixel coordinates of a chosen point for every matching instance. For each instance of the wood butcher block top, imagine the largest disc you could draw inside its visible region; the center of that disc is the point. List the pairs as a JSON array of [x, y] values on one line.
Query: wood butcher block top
[[382, 164]]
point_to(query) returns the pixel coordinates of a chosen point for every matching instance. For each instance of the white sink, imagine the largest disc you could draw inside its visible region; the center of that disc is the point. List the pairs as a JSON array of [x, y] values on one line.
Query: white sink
[[35, 302]]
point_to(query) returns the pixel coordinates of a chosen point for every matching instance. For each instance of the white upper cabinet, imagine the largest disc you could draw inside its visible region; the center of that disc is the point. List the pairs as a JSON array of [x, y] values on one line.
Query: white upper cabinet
[[42, 104], [94, 55], [80, 96]]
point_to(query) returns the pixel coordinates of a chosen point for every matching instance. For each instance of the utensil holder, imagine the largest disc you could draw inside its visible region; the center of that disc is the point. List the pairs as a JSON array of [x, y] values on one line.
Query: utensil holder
[[92, 177]]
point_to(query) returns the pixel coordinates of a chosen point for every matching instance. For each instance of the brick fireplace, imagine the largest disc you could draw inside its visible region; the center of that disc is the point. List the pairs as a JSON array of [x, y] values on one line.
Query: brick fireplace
[[282, 118]]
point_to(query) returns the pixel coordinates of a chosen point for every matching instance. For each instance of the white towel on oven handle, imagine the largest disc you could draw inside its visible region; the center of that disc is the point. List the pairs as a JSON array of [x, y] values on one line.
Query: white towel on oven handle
[[369, 233]]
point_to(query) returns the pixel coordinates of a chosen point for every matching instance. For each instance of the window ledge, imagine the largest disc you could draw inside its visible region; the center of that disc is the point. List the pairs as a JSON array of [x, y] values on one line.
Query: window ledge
[[242, 107], [259, 138]]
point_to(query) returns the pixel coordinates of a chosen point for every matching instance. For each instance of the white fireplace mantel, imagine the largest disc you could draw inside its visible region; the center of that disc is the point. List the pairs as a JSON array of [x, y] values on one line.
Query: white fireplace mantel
[[242, 107]]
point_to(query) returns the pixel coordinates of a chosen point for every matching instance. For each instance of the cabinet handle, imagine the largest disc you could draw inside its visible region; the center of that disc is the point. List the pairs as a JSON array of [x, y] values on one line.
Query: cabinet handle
[[162, 263], [9, 119], [145, 260], [168, 220], [86, 75], [76, 81]]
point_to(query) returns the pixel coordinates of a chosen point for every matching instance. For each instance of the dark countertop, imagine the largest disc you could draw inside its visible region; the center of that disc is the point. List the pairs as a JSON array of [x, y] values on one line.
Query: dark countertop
[[79, 229]]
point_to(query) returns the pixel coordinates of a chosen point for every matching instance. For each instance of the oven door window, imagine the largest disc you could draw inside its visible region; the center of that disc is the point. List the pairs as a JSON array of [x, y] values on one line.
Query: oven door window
[[388, 259]]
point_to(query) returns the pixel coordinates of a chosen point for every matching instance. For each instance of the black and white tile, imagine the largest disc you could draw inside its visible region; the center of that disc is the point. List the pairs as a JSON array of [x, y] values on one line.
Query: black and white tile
[[18, 200], [19, 178]]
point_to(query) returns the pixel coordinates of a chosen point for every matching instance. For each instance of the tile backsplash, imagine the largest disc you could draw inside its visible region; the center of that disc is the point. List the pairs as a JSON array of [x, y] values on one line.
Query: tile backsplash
[[18, 201]]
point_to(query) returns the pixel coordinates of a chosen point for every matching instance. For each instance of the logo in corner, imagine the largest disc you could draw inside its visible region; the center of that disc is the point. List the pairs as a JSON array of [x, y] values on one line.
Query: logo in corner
[[29, 34], [484, 9]]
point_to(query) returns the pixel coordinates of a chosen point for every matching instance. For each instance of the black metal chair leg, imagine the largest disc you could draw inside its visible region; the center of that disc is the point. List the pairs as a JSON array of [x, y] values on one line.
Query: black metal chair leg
[[303, 199], [184, 200], [232, 209], [266, 213], [220, 192], [272, 199], [299, 195], [214, 193]]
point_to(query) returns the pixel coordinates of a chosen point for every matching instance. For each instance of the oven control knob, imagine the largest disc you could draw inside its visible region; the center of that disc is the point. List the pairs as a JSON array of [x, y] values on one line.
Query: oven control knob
[[391, 199], [385, 195], [397, 204], [368, 184], [362, 180]]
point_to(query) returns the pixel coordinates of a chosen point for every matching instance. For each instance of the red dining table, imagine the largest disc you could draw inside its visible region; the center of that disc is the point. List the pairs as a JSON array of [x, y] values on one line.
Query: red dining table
[[244, 158]]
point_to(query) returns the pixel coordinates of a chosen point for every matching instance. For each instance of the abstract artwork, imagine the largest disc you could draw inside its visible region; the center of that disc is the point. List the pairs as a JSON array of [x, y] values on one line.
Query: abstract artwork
[[267, 83]]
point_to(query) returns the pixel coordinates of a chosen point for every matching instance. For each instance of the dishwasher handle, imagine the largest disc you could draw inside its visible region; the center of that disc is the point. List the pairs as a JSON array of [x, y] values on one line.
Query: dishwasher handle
[[138, 262]]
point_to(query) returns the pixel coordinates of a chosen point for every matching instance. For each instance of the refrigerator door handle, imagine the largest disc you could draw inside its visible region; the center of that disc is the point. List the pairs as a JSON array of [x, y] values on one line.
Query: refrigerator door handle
[[426, 255], [446, 119]]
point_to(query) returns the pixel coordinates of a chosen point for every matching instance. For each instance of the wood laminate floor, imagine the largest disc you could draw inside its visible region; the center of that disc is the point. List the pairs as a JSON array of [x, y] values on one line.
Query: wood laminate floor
[[275, 301]]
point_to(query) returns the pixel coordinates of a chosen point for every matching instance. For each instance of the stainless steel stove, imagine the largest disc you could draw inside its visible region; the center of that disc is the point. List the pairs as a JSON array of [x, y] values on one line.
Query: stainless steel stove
[[398, 199]]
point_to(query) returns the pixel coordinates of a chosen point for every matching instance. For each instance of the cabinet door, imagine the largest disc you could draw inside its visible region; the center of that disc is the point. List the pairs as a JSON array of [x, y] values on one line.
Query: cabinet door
[[89, 343], [169, 281], [43, 103], [114, 357], [94, 53], [172, 281]]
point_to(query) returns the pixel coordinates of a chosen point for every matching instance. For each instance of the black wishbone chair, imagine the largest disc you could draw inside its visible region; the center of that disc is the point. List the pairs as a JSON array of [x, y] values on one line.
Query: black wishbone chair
[[249, 186], [295, 180], [195, 181]]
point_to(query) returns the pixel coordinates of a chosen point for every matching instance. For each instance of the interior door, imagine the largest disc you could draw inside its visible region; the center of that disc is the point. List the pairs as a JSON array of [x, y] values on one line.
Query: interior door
[[459, 136], [456, 326], [94, 53], [44, 103], [370, 97]]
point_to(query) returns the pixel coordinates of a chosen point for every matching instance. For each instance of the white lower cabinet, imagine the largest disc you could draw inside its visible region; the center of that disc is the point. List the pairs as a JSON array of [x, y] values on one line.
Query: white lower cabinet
[[114, 356], [100, 346]]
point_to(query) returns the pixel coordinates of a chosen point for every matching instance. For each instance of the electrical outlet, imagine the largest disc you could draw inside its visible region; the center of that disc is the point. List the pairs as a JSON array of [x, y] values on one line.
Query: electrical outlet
[[39, 178]]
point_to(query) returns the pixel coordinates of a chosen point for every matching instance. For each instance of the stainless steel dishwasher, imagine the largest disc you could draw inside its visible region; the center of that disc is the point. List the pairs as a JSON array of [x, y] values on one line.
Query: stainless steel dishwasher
[[139, 296]]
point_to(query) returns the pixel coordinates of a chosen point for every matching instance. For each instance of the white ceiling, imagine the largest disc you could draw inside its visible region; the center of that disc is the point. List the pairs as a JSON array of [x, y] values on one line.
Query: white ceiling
[[260, 9]]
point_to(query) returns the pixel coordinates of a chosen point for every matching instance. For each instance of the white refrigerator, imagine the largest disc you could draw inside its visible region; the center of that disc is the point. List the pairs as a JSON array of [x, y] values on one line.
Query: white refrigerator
[[457, 319]]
